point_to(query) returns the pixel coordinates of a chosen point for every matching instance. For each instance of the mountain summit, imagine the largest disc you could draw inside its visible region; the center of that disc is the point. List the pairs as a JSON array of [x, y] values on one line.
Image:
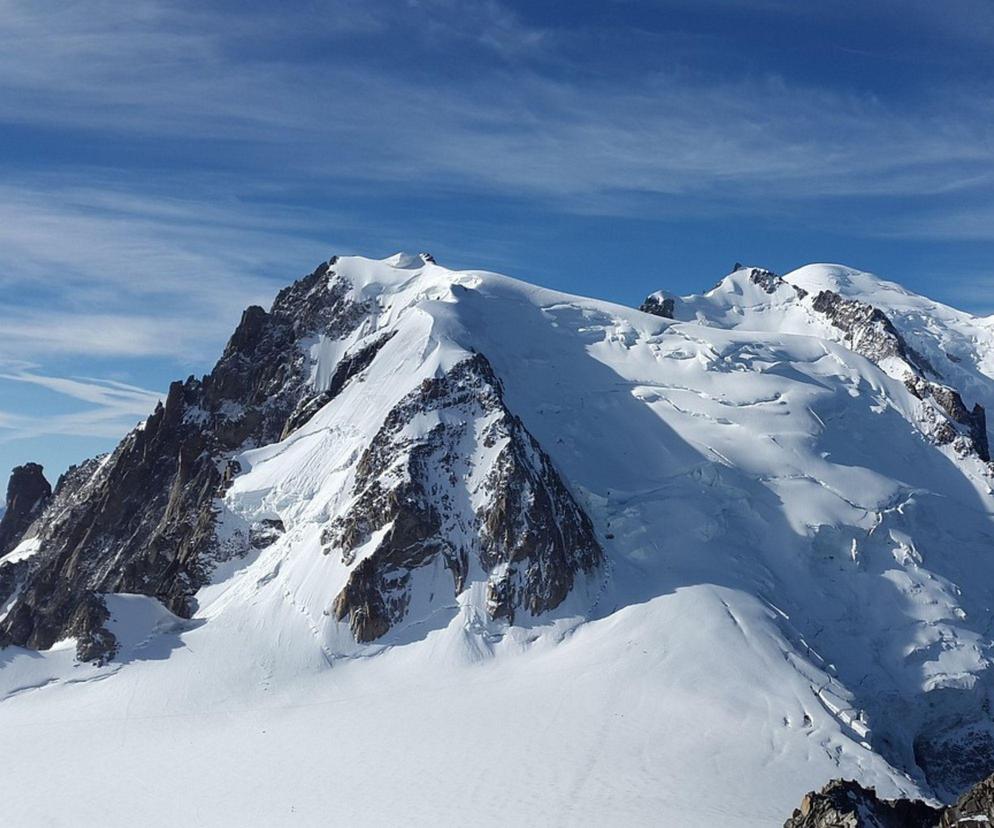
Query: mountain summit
[[694, 559]]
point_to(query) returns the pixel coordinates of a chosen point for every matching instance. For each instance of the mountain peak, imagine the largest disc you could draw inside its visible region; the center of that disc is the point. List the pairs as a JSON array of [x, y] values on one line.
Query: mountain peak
[[409, 261], [849, 283], [771, 512], [27, 493]]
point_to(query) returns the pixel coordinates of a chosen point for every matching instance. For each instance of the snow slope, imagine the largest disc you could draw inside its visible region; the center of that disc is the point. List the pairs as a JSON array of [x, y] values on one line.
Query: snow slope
[[797, 586]]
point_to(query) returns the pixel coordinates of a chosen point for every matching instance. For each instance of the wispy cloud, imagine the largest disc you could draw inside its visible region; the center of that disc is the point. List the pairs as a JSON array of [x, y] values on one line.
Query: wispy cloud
[[94, 270], [111, 407], [97, 391], [512, 126], [960, 222]]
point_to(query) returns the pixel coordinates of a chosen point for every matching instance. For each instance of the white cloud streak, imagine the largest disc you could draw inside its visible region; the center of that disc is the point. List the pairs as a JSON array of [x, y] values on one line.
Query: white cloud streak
[[85, 270], [512, 127], [111, 407]]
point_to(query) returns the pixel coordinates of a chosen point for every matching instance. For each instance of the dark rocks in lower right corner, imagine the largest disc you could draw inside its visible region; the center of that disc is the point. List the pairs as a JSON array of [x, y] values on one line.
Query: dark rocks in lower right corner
[[843, 803], [27, 493], [975, 807]]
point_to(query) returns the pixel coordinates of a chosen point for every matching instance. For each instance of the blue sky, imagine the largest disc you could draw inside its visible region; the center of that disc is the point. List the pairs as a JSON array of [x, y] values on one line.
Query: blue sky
[[164, 164]]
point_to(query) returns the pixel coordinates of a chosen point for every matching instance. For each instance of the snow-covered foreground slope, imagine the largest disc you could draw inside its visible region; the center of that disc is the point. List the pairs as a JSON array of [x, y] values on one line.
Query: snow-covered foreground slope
[[768, 563], [652, 714]]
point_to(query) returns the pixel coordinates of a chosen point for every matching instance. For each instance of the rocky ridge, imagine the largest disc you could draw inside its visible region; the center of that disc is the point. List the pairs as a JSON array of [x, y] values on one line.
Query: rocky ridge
[[847, 804]]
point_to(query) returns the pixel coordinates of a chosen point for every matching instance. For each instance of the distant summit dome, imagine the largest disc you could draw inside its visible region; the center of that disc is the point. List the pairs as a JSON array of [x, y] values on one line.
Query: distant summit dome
[[405, 260]]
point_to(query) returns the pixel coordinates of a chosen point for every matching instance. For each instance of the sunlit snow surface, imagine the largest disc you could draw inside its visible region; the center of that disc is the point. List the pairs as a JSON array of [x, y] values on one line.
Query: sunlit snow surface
[[792, 565]]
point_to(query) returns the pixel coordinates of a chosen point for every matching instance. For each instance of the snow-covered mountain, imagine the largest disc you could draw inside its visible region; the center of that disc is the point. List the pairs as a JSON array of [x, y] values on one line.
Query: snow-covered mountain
[[444, 546]]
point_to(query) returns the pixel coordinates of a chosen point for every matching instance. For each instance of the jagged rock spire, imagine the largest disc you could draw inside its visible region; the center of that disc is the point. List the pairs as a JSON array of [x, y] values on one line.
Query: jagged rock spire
[[27, 493]]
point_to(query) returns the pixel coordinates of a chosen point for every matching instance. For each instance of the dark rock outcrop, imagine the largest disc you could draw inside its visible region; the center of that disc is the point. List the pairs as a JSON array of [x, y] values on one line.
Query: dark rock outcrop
[[847, 804], [27, 493], [771, 282], [525, 531], [766, 279], [869, 332], [973, 422], [143, 519], [266, 533], [659, 305], [974, 808]]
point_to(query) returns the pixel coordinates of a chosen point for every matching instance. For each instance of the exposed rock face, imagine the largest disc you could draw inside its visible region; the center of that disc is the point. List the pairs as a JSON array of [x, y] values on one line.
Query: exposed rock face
[[266, 533], [973, 433], [766, 279], [846, 804], [871, 334], [27, 493], [513, 517], [867, 330], [659, 305], [975, 807], [143, 520]]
